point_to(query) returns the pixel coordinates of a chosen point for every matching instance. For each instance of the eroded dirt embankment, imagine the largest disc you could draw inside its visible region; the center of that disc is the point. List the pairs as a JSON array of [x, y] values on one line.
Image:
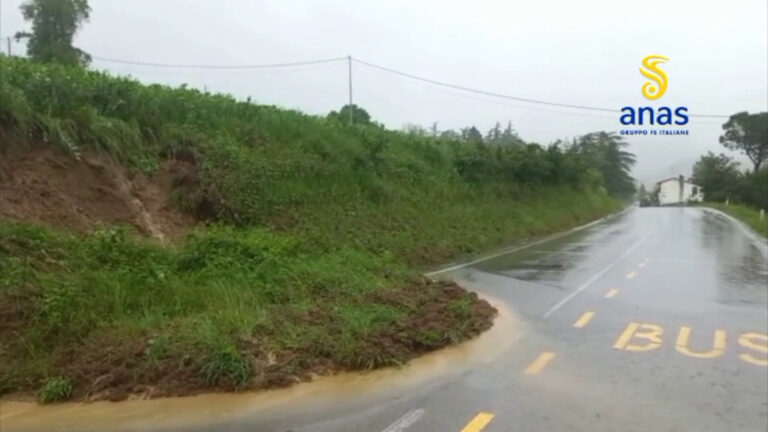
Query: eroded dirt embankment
[[40, 185], [43, 186]]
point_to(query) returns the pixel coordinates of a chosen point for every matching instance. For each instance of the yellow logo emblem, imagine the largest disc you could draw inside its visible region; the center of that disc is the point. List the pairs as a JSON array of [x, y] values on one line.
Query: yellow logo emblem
[[655, 88]]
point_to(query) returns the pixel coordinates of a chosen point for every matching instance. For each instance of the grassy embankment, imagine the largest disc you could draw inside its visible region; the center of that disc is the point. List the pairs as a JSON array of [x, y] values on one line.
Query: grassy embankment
[[314, 233], [746, 214]]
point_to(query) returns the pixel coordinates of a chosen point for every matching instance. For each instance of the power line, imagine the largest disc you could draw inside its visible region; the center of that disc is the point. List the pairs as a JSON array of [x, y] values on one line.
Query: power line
[[504, 103], [483, 92], [201, 66], [350, 59], [503, 96]]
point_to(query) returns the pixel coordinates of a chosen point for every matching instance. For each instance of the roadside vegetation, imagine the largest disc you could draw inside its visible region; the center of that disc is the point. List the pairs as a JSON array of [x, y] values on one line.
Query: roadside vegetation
[[740, 193], [722, 179], [310, 232]]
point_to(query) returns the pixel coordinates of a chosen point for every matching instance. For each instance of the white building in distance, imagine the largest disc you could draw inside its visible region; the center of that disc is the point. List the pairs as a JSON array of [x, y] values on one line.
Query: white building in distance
[[678, 191]]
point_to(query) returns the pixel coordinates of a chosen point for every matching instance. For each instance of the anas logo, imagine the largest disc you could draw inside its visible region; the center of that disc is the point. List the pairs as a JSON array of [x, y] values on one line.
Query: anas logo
[[655, 88]]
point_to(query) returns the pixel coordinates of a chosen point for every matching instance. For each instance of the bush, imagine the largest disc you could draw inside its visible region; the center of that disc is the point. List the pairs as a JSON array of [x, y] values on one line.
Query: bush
[[754, 189], [54, 390]]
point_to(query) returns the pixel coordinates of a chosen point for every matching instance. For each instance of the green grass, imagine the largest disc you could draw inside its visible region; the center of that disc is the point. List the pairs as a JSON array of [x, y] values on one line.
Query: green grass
[[308, 259], [746, 214], [54, 389]]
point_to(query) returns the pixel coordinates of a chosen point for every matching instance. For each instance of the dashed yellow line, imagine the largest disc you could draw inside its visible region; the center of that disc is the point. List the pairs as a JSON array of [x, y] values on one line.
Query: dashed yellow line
[[540, 363], [584, 319], [478, 423], [611, 293], [631, 275]]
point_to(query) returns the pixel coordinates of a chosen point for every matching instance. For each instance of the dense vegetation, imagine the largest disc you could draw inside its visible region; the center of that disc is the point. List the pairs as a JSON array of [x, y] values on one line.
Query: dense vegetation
[[721, 179], [748, 134], [315, 231]]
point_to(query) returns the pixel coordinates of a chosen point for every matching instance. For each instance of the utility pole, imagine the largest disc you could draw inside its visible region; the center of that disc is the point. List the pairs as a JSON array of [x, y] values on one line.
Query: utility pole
[[8, 41], [349, 65]]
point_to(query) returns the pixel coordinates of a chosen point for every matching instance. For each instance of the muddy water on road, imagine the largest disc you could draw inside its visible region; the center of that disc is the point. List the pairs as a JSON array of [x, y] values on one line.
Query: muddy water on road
[[210, 408]]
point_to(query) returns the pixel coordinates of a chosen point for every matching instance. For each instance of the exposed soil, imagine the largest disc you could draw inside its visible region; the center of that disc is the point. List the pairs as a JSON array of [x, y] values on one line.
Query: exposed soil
[[435, 316], [39, 185]]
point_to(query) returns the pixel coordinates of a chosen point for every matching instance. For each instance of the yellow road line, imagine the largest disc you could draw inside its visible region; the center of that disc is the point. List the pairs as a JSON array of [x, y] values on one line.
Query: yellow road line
[[540, 363], [584, 320], [478, 423], [611, 293], [631, 275]]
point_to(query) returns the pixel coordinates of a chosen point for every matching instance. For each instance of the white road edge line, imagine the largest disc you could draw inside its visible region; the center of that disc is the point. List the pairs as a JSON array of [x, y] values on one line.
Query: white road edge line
[[597, 276], [407, 420], [537, 242], [760, 243]]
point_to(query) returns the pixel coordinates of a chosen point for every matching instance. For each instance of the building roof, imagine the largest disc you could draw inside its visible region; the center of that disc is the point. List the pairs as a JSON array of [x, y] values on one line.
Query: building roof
[[675, 179]]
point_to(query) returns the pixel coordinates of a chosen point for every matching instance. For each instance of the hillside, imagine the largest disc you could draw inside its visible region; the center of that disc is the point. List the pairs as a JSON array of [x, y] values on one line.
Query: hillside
[[161, 241]]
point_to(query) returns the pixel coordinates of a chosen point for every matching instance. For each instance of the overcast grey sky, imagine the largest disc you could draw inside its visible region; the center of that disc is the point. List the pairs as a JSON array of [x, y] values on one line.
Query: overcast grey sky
[[577, 52]]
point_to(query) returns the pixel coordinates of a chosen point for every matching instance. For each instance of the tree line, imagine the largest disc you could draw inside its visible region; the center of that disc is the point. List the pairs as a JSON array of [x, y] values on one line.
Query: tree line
[[722, 178], [597, 159]]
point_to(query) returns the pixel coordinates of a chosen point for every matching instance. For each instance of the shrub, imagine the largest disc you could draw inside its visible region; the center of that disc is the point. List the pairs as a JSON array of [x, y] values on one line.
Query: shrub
[[55, 389]]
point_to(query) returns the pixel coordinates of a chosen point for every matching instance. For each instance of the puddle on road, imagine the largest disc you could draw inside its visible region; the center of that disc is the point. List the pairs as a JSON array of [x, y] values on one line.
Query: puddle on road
[[152, 414]]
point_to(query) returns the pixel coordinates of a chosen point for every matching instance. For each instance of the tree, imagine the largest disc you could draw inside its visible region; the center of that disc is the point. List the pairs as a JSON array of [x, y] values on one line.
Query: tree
[[414, 129], [605, 151], [493, 135], [471, 134], [507, 137], [54, 24], [753, 189], [718, 175], [747, 133], [450, 134], [359, 115], [510, 137], [641, 193]]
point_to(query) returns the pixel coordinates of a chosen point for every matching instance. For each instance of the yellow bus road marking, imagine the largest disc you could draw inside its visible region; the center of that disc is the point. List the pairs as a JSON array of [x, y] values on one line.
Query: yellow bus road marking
[[650, 332], [631, 275], [478, 423], [540, 363], [684, 336], [752, 340], [584, 320], [611, 293], [648, 337]]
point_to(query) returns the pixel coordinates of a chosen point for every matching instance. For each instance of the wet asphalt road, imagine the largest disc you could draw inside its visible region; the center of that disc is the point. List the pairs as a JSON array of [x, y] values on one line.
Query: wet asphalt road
[[656, 320]]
